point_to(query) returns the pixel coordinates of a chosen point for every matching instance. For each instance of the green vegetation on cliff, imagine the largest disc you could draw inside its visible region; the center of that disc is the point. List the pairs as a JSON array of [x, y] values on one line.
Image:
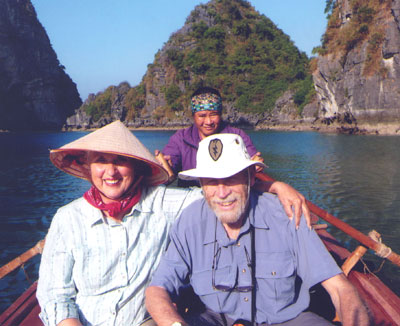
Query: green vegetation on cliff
[[225, 44], [362, 24]]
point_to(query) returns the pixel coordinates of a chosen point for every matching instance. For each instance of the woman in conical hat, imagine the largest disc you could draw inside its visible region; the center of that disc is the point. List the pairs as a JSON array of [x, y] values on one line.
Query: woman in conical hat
[[102, 248], [115, 162], [114, 138]]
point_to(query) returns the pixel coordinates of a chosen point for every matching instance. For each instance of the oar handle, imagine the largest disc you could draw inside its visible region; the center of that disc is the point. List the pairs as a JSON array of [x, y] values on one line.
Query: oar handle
[[160, 157], [346, 228], [22, 259]]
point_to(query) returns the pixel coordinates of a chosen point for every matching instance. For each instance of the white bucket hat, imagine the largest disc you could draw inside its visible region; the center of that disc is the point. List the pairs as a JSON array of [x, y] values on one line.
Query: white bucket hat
[[113, 138], [220, 156]]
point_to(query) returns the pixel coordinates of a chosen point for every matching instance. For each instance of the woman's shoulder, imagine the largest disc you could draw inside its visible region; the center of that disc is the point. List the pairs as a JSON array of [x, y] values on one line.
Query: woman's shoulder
[[77, 204], [152, 198], [163, 195], [75, 211]]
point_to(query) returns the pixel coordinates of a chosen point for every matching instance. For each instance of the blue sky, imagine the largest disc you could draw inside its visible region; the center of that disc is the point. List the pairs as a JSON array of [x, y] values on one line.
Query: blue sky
[[104, 42]]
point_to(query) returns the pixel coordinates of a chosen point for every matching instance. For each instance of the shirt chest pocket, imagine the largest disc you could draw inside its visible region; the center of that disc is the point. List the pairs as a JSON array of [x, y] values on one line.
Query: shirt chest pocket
[[202, 283], [276, 277]]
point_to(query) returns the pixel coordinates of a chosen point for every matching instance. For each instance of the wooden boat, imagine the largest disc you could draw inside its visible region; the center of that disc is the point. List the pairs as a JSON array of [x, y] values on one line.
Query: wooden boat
[[383, 303]]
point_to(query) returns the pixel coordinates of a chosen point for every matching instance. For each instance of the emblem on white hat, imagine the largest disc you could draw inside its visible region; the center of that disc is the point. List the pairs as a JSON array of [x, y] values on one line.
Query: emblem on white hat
[[220, 156]]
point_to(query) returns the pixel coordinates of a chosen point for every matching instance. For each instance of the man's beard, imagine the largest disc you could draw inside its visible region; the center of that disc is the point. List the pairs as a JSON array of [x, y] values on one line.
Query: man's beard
[[231, 216]]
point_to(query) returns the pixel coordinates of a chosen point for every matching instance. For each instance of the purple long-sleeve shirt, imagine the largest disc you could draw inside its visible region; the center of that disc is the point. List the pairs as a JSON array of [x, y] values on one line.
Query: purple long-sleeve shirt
[[183, 145]]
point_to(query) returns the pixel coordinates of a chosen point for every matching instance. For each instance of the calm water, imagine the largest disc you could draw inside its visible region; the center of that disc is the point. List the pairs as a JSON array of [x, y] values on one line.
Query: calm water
[[355, 178]]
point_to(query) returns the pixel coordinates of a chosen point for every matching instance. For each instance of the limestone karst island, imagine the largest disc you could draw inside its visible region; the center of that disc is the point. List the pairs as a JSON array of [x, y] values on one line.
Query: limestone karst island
[[351, 85]]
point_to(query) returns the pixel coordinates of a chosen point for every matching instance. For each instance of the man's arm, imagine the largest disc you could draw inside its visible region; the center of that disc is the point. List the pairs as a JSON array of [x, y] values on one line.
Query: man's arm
[[161, 308], [347, 301]]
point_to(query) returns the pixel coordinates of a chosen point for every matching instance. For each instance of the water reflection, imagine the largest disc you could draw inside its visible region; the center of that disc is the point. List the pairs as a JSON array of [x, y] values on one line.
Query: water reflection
[[355, 178]]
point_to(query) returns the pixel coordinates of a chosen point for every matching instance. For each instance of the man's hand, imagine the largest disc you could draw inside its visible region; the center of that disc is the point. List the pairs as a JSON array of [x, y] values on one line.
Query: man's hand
[[291, 199]]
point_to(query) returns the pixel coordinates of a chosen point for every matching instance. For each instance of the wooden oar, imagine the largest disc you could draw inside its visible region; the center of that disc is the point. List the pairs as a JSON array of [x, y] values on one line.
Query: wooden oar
[[378, 247], [161, 159], [22, 259]]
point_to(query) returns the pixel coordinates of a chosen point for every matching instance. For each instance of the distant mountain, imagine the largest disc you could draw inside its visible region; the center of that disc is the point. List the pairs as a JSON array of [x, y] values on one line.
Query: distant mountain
[[35, 92], [357, 76], [225, 44], [352, 86]]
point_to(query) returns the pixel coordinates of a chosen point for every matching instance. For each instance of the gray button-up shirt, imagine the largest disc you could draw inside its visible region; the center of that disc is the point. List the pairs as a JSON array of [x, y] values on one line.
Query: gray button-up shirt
[[283, 257]]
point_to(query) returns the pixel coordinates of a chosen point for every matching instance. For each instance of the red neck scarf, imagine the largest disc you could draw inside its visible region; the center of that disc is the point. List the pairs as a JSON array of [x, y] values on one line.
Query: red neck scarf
[[113, 209]]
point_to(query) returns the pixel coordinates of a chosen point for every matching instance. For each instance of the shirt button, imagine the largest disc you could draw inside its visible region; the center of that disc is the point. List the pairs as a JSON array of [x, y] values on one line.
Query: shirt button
[[273, 273], [243, 270], [238, 244], [246, 299], [124, 253]]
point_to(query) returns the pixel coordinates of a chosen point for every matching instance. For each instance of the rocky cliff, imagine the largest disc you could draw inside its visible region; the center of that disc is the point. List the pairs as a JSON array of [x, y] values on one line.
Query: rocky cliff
[[35, 91], [225, 44], [357, 79], [264, 80]]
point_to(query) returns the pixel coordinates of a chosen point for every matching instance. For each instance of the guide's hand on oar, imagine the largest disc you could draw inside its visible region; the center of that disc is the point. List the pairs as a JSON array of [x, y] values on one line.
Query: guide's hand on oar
[[165, 161], [257, 157], [291, 201]]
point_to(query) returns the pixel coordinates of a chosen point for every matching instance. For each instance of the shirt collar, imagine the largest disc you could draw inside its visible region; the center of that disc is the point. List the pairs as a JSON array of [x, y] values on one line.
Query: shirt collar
[[210, 224], [255, 209], [214, 225], [96, 217]]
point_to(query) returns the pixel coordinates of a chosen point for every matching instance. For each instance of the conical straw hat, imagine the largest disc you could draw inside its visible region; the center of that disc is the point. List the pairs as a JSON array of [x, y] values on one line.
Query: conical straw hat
[[113, 138]]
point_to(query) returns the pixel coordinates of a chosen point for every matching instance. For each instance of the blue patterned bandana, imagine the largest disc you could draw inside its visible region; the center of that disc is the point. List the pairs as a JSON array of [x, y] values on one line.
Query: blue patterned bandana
[[206, 102]]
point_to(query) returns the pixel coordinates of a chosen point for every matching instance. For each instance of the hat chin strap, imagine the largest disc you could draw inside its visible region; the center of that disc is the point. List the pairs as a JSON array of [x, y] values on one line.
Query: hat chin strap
[[248, 185]]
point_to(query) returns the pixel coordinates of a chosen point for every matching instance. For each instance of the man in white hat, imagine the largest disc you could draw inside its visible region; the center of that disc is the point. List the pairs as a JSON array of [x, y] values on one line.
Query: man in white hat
[[242, 256], [102, 248]]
